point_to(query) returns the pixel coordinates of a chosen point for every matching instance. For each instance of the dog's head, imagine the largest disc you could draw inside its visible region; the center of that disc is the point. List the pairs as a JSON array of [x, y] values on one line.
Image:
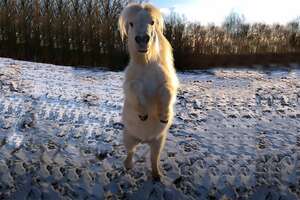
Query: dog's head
[[140, 23]]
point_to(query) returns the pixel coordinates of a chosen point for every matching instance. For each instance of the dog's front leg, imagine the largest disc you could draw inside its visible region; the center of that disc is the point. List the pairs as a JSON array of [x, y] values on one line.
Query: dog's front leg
[[164, 103], [134, 91]]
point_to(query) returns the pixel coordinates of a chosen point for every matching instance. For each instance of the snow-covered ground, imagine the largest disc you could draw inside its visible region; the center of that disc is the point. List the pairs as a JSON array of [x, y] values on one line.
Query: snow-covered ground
[[236, 134]]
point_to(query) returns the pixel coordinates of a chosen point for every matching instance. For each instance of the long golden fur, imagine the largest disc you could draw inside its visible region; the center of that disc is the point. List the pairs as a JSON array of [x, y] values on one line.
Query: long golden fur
[[150, 84]]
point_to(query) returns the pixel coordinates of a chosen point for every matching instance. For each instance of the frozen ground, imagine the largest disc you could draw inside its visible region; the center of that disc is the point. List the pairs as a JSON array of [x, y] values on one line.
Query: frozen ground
[[236, 134]]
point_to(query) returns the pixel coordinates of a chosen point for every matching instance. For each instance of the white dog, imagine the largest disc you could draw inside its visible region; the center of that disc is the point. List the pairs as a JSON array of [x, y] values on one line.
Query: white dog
[[150, 82]]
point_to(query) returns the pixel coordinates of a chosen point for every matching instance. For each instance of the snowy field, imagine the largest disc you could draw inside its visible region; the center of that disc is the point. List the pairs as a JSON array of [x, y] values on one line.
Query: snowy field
[[236, 135]]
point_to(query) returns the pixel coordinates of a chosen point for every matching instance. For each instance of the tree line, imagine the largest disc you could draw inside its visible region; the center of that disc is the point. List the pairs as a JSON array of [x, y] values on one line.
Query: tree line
[[85, 33]]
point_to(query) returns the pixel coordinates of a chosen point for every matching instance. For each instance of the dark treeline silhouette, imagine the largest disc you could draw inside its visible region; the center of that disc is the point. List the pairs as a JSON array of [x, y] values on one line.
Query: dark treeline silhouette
[[85, 32], [69, 32], [232, 44]]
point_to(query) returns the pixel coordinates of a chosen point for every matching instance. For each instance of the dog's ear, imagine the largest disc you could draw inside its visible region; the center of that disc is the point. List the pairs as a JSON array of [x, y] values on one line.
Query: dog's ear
[[123, 26], [160, 23], [156, 14], [126, 15]]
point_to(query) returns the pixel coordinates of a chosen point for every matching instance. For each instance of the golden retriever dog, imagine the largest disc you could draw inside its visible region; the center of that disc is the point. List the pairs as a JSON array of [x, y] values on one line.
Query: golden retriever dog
[[150, 83]]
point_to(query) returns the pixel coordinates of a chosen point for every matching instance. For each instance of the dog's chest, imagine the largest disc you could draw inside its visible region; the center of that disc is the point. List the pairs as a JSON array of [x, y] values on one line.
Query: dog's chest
[[152, 79]]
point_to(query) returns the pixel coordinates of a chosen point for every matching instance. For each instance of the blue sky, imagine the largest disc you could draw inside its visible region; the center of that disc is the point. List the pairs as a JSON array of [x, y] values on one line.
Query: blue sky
[[207, 11]]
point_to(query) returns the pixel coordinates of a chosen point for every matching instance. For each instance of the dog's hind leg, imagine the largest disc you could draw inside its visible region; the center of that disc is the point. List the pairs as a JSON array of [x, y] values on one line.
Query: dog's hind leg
[[130, 144], [156, 148]]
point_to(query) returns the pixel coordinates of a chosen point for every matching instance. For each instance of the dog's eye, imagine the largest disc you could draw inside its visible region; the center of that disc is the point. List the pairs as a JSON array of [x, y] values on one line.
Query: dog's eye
[[152, 22], [131, 24]]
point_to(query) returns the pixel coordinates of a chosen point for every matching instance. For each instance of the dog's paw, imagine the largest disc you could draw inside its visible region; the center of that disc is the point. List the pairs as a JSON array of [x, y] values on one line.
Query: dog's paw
[[143, 117], [164, 121], [156, 177], [128, 164], [164, 117]]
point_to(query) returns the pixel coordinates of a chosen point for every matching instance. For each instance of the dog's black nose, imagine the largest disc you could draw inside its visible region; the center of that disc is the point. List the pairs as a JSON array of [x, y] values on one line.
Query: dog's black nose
[[142, 39], [146, 38], [138, 39]]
